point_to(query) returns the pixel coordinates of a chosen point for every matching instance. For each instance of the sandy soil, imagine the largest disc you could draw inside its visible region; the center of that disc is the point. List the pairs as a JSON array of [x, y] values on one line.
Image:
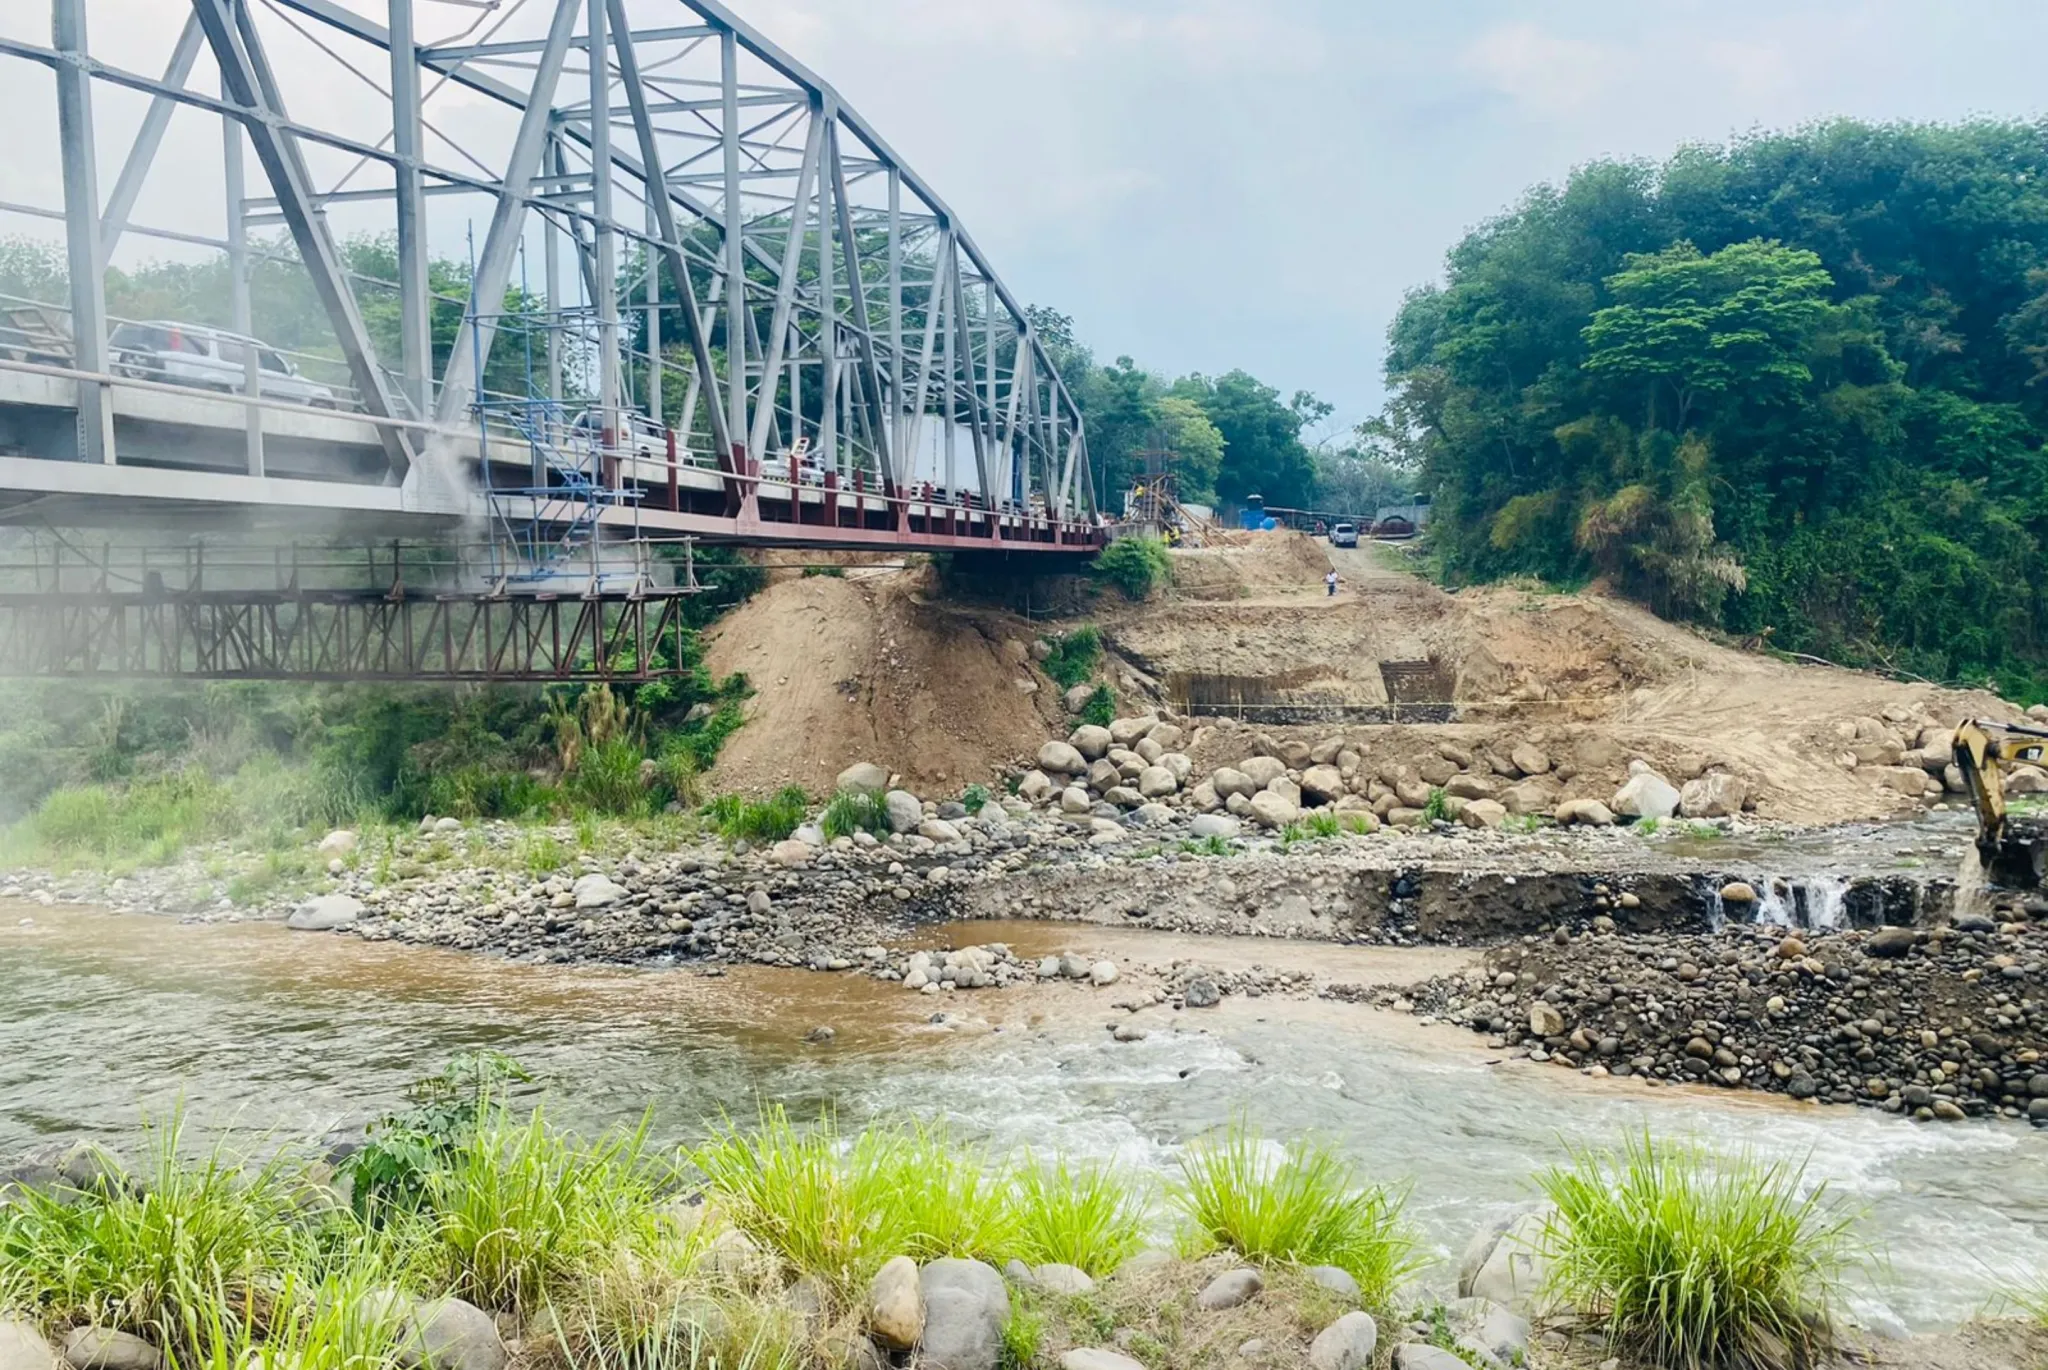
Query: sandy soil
[[875, 667], [868, 668]]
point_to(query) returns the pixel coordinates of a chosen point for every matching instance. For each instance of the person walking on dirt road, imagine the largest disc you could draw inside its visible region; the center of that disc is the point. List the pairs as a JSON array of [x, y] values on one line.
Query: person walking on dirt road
[[1330, 583]]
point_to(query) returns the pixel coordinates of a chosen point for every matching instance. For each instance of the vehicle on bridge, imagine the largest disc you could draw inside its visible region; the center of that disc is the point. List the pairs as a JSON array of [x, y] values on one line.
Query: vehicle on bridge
[[211, 359]]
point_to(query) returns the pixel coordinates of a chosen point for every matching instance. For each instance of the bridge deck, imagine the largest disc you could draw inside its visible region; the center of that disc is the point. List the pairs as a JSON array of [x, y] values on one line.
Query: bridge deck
[[181, 461]]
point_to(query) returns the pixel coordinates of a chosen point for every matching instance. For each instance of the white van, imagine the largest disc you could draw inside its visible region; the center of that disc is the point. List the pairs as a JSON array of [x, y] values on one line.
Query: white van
[[188, 354], [1344, 535]]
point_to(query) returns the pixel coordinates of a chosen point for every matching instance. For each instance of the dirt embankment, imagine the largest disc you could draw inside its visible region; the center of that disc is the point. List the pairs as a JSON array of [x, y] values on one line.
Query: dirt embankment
[[877, 667], [870, 668]]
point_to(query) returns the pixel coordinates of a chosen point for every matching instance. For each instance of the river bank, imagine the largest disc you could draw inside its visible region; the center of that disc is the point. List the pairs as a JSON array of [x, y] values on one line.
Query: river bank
[[292, 1036], [1732, 952]]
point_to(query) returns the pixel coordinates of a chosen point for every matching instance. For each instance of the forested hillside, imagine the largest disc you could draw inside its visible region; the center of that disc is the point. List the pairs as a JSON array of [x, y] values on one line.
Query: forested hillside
[[1795, 387]]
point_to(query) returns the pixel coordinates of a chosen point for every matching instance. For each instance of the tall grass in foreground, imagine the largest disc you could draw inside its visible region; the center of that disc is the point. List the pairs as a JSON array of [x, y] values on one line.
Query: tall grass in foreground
[[1090, 1216], [838, 1208], [767, 820], [1697, 1263], [1303, 1205], [521, 1208], [190, 1242]]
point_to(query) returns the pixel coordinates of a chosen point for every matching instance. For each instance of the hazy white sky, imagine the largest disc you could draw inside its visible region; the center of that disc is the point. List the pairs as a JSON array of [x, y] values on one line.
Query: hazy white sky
[[1212, 183]]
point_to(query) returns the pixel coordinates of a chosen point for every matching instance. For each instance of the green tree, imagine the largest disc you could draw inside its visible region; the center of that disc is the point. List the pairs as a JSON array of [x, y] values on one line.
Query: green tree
[[1263, 453]]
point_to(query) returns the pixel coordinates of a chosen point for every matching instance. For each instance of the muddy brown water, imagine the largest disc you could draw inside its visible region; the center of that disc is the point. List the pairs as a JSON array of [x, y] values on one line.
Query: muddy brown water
[[108, 1018]]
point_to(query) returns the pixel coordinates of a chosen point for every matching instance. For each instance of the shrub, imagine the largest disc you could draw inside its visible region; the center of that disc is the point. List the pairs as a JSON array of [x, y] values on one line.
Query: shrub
[[1303, 1206], [769, 820], [1087, 1216], [1323, 825], [1074, 656], [852, 811], [974, 798], [833, 572], [1135, 565], [1100, 709], [1438, 808], [390, 1171], [1697, 1263], [607, 778]]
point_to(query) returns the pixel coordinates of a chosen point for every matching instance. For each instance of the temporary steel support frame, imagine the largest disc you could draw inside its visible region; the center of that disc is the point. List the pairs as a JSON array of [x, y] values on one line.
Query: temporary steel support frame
[[342, 635]]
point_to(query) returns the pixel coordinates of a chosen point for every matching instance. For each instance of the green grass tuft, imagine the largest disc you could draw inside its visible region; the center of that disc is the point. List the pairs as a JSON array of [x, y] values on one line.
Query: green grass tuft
[[1697, 1262], [520, 1209], [1090, 1216], [852, 811], [1303, 1205], [974, 798], [768, 820], [1100, 709], [1323, 825]]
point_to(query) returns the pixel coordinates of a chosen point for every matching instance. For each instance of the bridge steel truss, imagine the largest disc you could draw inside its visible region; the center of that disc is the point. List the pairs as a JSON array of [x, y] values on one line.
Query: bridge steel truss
[[677, 173], [343, 635]]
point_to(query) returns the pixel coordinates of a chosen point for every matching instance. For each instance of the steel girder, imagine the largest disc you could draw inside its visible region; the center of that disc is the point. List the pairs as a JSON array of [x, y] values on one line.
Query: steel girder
[[826, 301]]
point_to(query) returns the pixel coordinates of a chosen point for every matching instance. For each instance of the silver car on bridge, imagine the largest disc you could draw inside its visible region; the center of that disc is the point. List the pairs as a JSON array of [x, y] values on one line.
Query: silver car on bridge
[[212, 359]]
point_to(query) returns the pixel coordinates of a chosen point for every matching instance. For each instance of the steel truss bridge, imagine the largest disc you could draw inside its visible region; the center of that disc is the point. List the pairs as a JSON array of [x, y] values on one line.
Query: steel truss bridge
[[703, 298]]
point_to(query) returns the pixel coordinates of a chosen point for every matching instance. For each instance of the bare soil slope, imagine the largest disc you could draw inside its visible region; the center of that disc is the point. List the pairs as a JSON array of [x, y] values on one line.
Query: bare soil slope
[[874, 668], [866, 669]]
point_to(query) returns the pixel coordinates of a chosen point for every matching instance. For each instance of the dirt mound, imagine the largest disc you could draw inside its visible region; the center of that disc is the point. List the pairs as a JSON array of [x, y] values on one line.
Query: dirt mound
[[865, 669], [1281, 561]]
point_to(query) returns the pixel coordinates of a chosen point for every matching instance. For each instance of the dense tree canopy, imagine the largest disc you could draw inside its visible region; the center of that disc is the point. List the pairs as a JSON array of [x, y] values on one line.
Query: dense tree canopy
[[1795, 386]]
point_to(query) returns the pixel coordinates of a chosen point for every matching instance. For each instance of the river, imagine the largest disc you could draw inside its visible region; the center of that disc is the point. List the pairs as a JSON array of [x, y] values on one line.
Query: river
[[108, 1018]]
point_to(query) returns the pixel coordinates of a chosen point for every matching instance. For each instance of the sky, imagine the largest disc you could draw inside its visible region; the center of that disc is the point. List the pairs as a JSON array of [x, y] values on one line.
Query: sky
[[1210, 184]]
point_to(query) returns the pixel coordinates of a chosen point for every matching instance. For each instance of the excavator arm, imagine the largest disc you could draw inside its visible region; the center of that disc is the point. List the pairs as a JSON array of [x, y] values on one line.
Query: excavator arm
[[2012, 848]]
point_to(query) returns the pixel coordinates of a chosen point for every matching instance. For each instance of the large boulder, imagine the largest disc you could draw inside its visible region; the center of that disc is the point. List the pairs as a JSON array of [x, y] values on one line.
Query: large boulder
[[1717, 795], [1263, 770], [1125, 732], [1061, 758], [1098, 1358], [449, 1334], [102, 1348], [1538, 795], [1156, 782], [1509, 1268], [1214, 825], [1074, 800], [791, 851], [1346, 1344], [1418, 1355], [1231, 1288], [966, 1308], [1077, 696], [862, 777], [22, 1347], [1036, 787], [1180, 763], [1467, 786], [896, 1305], [1103, 774], [1529, 758], [1324, 784], [340, 842], [1646, 794], [596, 891], [325, 913], [1228, 780], [1589, 813], [1090, 741], [1483, 813], [1271, 810], [903, 809]]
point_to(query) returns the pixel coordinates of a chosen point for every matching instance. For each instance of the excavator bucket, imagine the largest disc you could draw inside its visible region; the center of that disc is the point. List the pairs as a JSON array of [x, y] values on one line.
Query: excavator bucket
[[2017, 858]]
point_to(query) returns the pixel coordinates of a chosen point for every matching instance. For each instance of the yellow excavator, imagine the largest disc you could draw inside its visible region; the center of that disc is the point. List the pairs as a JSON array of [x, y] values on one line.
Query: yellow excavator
[[2013, 847]]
